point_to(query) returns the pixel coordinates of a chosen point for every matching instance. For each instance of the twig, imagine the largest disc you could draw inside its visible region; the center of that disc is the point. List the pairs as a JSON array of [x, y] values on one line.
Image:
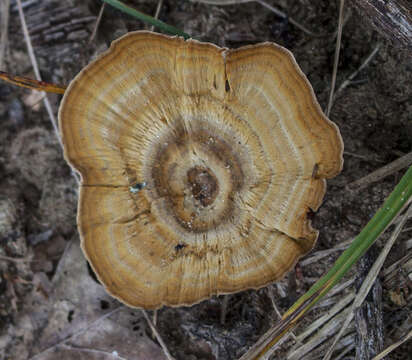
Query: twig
[[337, 52], [369, 280], [5, 8], [98, 20], [381, 173], [389, 349], [29, 83], [38, 77], [158, 337], [156, 16], [355, 73], [105, 316]]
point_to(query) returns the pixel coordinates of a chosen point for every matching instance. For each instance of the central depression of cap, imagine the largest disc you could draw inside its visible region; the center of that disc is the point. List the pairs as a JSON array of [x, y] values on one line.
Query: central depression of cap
[[199, 165]]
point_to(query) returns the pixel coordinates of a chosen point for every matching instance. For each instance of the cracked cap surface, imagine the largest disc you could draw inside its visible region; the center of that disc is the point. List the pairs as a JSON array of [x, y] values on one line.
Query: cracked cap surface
[[199, 165]]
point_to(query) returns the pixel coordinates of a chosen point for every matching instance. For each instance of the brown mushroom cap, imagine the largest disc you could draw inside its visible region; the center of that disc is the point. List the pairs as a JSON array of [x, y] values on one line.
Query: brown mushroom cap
[[199, 165]]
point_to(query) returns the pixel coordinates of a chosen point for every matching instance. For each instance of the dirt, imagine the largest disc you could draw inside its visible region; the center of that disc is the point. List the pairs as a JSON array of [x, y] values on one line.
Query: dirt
[[43, 301]]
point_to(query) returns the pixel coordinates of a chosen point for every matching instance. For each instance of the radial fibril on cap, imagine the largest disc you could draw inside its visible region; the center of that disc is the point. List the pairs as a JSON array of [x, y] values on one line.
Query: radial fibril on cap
[[199, 166]]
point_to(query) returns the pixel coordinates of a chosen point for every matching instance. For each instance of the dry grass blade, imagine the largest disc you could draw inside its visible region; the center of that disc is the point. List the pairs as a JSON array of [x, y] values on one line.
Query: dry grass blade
[[157, 335], [336, 61], [312, 328], [381, 173], [36, 67], [389, 349], [273, 337], [38, 77], [156, 15], [4, 21], [315, 257], [291, 20], [272, 300], [98, 20], [355, 73], [369, 280], [320, 336]]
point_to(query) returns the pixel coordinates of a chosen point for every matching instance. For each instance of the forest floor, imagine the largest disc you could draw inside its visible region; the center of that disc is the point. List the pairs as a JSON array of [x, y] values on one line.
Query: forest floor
[[51, 305]]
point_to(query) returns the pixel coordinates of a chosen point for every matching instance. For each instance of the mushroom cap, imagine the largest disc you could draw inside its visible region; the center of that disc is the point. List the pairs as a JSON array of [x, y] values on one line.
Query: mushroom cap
[[199, 165]]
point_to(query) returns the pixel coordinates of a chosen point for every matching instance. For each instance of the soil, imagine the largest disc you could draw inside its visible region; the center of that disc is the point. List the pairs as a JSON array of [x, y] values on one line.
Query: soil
[[43, 301]]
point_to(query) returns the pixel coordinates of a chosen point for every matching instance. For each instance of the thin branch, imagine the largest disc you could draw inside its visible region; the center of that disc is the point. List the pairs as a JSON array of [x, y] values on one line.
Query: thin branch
[[29, 83], [337, 52]]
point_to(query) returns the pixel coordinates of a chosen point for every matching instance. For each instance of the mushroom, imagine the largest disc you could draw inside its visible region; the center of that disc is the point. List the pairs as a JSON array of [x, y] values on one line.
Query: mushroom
[[199, 165]]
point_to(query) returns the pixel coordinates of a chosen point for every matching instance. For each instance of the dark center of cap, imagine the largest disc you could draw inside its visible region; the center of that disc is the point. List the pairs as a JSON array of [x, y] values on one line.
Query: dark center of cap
[[204, 185]]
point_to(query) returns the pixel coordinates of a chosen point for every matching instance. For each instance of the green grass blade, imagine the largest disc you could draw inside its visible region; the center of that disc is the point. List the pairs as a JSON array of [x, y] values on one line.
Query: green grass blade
[[146, 18], [382, 219]]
